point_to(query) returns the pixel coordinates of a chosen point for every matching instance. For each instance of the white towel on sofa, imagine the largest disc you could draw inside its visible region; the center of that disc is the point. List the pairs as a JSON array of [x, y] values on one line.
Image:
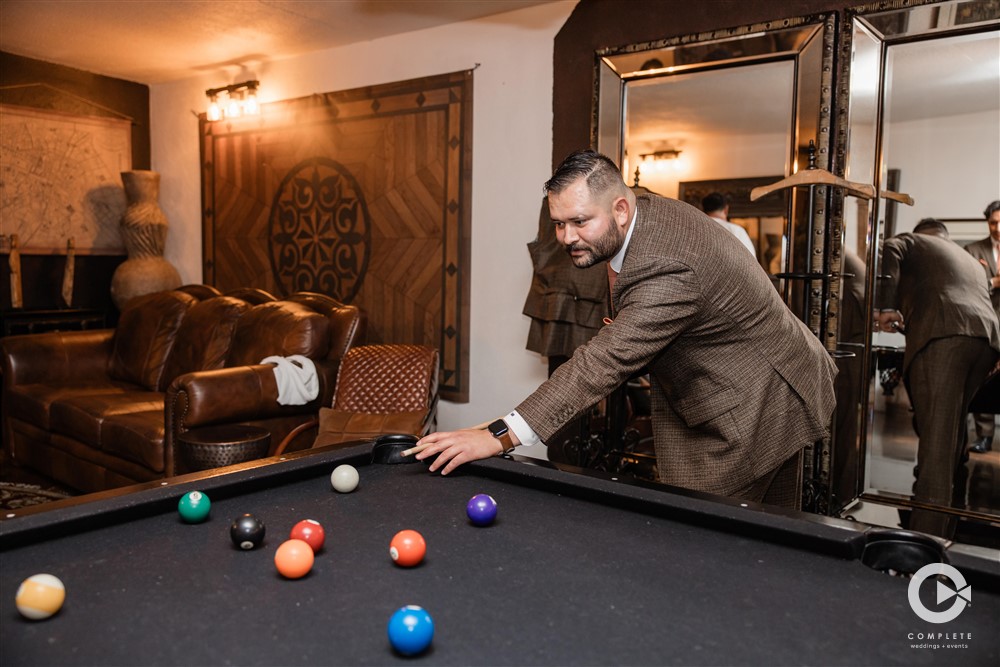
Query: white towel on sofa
[[296, 378]]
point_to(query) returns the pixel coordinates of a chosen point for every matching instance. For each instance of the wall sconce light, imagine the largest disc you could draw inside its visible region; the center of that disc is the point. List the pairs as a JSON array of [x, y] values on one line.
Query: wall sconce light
[[240, 100], [661, 161], [669, 154]]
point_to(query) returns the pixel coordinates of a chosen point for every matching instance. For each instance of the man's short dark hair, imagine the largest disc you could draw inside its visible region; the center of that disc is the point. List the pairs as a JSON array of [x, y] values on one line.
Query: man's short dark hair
[[931, 226], [601, 172], [991, 209], [714, 202]]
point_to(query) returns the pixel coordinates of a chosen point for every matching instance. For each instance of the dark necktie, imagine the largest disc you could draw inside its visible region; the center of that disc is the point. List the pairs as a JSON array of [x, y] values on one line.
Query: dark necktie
[[612, 277]]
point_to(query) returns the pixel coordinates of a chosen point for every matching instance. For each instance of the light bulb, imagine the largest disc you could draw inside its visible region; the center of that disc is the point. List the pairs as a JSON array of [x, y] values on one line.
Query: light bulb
[[250, 105], [233, 109], [213, 112]]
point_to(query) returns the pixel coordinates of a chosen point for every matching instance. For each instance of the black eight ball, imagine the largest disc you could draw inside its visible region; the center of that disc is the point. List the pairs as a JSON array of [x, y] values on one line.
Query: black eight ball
[[247, 532]]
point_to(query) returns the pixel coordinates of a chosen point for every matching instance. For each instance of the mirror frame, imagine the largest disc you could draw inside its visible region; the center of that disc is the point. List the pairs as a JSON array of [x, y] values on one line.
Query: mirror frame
[[858, 18], [809, 215]]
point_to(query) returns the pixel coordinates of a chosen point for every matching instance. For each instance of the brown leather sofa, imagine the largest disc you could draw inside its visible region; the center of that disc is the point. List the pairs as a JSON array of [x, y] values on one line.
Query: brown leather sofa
[[100, 409]]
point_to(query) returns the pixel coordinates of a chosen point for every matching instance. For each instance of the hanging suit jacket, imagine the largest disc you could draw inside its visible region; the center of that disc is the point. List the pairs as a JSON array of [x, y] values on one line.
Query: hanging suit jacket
[[983, 250], [739, 384], [566, 304]]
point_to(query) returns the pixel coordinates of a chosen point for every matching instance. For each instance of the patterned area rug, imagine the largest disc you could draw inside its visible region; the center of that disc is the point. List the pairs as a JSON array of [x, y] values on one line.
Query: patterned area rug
[[15, 496]]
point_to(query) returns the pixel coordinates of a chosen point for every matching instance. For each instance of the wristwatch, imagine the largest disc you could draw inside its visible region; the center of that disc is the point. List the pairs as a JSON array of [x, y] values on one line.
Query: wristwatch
[[500, 431]]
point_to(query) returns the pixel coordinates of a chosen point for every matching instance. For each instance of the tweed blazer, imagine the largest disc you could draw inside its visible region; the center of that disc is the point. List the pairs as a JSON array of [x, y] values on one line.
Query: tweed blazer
[[739, 384], [983, 250], [940, 290]]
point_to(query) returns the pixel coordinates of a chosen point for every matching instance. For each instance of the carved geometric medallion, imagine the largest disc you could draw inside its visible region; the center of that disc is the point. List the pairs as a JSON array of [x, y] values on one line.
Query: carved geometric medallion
[[320, 231]]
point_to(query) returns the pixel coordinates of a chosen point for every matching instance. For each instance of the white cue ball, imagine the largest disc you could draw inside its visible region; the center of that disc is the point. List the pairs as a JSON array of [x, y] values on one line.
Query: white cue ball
[[344, 478]]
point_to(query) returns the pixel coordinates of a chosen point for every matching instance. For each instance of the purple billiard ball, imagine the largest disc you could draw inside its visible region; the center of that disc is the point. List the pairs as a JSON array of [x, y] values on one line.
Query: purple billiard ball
[[482, 509]]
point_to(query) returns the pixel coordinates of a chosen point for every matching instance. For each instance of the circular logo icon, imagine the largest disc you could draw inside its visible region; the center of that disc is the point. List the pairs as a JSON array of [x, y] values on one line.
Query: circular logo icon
[[962, 593]]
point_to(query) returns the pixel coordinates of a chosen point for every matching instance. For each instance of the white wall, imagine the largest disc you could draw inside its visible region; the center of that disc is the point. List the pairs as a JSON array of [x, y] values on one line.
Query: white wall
[[950, 166], [512, 151]]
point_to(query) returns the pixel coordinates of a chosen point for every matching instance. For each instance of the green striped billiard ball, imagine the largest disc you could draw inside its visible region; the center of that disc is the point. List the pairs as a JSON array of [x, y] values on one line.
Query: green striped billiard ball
[[194, 507]]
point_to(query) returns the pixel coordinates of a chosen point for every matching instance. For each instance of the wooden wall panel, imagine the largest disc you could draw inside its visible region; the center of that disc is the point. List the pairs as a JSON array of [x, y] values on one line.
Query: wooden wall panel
[[364, 195]]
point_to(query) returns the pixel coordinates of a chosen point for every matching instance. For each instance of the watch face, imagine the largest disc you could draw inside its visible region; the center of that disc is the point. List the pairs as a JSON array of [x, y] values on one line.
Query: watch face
[[498, 428]]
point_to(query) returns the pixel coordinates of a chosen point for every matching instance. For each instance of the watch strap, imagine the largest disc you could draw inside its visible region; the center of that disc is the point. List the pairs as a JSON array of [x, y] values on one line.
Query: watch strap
[[499, 430]]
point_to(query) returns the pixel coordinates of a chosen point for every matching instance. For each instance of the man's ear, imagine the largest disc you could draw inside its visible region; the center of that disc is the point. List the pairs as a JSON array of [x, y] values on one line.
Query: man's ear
[[621, 211]]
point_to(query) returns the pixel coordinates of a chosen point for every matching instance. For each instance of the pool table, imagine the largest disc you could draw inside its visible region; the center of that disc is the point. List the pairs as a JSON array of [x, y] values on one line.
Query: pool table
[[579, 568]]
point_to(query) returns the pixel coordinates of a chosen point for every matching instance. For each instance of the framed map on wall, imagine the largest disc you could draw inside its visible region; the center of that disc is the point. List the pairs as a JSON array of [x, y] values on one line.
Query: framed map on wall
[[60, 179], [363, 195]]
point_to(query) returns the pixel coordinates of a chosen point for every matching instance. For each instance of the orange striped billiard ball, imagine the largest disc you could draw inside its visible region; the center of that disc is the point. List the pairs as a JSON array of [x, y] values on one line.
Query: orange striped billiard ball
[[40, 596]]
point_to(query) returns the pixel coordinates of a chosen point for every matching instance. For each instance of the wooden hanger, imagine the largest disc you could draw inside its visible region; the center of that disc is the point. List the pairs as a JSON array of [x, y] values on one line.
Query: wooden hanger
[[897, 196], [815, 177]]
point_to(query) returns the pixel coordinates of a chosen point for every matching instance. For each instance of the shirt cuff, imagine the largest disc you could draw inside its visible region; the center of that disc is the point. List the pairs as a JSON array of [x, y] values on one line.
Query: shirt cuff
[[524, 433]]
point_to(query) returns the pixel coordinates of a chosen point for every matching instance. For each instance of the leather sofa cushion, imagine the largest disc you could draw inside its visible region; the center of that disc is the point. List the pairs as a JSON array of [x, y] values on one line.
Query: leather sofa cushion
[[204, 337], [32, 403], [136, 437], [145, 335], [83, 417], [279, 328]]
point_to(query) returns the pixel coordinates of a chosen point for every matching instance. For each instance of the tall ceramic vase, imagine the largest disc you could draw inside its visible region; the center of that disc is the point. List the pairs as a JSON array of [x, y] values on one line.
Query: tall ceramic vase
[[144, 230]]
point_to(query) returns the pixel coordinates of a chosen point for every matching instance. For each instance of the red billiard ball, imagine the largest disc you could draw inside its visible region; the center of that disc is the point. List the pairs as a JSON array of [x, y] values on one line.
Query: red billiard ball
[[407, 548], [293, 559], [310, 532]]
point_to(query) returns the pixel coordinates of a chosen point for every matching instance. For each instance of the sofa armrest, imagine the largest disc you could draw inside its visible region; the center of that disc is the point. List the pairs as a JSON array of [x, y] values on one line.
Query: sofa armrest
[[227, 395], [58, 357]]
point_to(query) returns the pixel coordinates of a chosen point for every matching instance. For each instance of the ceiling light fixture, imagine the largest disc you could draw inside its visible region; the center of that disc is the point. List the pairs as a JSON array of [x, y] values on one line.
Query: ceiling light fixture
[[241, 100]]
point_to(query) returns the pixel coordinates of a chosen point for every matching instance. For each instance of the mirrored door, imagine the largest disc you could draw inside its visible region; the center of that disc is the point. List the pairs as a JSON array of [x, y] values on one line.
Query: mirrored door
[[924, 127]]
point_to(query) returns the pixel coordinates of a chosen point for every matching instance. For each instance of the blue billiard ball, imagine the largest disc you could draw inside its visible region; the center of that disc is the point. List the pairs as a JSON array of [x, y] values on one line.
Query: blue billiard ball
[[194, 507], [482, 509], [411, 630]]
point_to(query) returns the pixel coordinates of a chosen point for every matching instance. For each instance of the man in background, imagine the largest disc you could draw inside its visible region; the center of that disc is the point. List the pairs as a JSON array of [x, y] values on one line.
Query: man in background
[[935, 294], [987, 252], [716, 206]]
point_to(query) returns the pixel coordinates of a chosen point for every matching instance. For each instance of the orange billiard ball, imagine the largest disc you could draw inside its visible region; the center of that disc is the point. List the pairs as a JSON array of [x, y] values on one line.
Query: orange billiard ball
[[294, 559], [407, 548]]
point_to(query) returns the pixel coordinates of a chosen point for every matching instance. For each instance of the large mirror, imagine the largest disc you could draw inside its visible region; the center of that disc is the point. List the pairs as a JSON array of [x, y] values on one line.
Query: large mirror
[[727, 112], [924, 122]]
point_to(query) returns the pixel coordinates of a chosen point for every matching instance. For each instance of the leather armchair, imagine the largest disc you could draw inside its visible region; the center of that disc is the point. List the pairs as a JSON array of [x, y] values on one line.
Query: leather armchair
[[390, 388]]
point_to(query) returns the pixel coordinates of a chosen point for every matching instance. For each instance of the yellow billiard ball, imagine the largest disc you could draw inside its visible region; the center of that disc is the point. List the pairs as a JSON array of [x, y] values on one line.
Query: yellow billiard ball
[[40, 596]]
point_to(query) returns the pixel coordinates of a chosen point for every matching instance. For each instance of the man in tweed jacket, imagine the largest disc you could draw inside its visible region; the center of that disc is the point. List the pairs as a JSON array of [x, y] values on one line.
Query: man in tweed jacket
[[985, 251], [740, 385], [937, 296]]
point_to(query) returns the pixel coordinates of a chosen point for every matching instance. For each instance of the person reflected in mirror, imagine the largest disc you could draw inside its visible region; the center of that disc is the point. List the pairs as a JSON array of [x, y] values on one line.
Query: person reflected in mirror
[[853, 317], [936, 295], [716, 206], [987, 253], [739, 385]]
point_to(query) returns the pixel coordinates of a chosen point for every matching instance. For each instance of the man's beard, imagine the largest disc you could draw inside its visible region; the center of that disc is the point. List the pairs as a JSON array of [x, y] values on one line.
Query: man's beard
[[603, 248]]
